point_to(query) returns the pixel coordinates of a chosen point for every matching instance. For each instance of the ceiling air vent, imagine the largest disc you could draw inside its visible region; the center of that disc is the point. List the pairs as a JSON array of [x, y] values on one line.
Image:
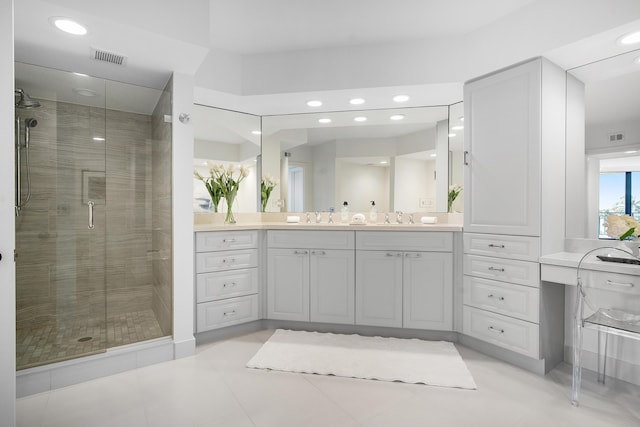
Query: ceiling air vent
[[616, 137], [110, 57]]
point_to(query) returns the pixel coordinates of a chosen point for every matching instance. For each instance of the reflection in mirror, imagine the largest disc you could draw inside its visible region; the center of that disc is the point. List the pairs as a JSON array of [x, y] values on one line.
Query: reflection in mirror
[[612, 138], [390, 157], [456, 154], [224, 137]]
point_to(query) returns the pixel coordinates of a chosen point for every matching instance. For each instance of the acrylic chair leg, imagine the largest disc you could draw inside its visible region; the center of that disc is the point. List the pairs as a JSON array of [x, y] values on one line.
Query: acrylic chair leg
[[577, 352], [603, 339]]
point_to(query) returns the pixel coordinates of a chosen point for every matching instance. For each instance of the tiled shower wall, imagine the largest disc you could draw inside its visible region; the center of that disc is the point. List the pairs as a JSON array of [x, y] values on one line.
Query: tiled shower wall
[[162, 295], [62, 265]]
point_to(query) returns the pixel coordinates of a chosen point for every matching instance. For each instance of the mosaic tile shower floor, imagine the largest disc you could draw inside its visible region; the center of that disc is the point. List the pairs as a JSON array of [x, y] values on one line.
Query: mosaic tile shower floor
[[51, 342]]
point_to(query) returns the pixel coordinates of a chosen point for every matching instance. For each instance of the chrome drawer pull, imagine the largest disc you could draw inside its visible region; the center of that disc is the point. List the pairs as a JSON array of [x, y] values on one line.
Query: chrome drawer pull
[[491, 245], [392, 254], [496, 330], [412, 255], [624, 285], [318, 253], [232, 260], [493, 296], [229, 285], [496, 269], [300, 252], [229, 313], [228, 240]]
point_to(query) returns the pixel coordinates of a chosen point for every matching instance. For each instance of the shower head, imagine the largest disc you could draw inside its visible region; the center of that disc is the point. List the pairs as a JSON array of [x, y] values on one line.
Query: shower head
[[25, 100]]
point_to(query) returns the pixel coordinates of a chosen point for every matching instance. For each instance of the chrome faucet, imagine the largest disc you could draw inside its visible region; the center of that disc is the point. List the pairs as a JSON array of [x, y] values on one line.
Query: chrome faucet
[[386, 218], [308, 218], [330, 217], [318, 217], [411, 219], [399, 217]]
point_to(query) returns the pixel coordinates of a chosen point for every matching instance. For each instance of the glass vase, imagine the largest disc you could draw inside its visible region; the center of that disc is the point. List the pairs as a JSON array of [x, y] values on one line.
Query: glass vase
[[229, 217]]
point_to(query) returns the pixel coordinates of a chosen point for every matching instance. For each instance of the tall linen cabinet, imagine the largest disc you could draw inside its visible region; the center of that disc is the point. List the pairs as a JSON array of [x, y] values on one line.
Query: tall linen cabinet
[[514, 212]]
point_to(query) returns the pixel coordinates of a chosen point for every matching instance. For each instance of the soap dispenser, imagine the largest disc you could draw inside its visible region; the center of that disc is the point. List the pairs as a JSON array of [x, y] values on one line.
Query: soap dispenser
[[373, 213], [344, 212]]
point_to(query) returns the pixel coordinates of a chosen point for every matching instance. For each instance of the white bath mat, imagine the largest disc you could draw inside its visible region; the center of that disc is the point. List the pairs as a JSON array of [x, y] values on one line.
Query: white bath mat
[[413, 361]]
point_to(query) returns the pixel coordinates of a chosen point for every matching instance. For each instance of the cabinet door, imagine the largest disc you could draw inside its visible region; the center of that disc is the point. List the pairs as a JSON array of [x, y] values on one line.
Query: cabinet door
[[332, 282], [502, 152], [288, 284], [428, 290], [379, 288]]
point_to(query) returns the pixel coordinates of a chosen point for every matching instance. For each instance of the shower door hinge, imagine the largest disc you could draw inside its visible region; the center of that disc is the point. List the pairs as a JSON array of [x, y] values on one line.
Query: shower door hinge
[[168, 118], [15, 255]]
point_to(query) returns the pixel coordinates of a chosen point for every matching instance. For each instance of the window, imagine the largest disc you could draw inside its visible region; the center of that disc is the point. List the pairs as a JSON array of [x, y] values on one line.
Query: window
[[619, 194]]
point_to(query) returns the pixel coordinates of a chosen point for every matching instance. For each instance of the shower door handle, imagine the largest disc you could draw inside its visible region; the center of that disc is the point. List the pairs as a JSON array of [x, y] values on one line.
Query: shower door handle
[[90, 204]]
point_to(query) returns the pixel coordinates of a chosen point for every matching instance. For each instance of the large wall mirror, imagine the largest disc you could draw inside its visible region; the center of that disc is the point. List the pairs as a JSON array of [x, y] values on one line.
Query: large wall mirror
[[397, 158], [612, 138], [230, 139]]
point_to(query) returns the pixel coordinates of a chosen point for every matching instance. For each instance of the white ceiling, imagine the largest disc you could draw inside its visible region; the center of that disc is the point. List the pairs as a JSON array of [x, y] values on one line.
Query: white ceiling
[[271, 57]]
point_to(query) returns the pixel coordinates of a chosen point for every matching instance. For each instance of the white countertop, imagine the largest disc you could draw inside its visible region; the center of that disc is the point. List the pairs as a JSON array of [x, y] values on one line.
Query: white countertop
[[561, 267], [326, 226]]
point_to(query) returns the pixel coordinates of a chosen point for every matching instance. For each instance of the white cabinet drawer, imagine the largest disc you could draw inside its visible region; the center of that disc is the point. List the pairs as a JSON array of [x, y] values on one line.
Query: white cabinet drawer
[[218, 314], [226, 284], [503, 298], [226, 240], [512, 247], [229, 260], [440, 241], [319, 239], [505, 270], [513, 334]]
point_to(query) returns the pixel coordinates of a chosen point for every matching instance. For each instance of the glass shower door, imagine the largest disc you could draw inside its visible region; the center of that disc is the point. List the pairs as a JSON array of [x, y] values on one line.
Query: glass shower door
[[61, 229]]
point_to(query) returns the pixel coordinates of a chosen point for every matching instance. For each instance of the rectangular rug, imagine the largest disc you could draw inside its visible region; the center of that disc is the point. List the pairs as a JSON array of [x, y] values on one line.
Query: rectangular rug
[[414, 361]]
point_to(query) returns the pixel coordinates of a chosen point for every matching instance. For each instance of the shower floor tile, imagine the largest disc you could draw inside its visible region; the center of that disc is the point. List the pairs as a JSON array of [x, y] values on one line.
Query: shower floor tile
[[66, 339]]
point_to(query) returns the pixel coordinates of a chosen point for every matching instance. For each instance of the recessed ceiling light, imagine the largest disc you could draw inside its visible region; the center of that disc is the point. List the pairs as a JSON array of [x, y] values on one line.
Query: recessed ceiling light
[[68, 26], [397, 117], [433, 155], [360, 119], [314, 103], [631, 152], [356, 101], [383, 162], [451, 135], [324, 120], [457, 128], [98, 138], [400, 98], [631, 38], [256, 132], [85, 92]]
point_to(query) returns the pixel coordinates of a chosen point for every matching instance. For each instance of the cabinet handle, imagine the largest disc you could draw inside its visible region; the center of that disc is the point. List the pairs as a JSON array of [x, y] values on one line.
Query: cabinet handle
[[496, 330], [300, 252], [228, 240], [624, 285], [229, 313], [412, 255], [318, 253], [466, 158], [231, 260], [493, 296], [90, 204], [396, 254], [491, 245], [229, 285], [501, 270]]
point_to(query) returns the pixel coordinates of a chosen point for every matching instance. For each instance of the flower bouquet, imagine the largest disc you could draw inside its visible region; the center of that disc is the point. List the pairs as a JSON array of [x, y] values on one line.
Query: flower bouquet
[[226, 182], [454, 191], [267, 185]]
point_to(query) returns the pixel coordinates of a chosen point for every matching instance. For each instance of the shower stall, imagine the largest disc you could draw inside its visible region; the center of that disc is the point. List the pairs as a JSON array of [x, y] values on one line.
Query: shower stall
[[93, 215]]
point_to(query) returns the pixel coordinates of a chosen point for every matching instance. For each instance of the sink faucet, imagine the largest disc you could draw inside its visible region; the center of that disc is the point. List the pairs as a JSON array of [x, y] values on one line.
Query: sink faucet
[[411, 219], [330, 217], [308, 218], [386, 218], [399, 217], [318, 217]]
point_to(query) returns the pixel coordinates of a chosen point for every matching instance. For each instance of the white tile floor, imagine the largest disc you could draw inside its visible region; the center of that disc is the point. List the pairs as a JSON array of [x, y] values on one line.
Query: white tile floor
[[214, 389]]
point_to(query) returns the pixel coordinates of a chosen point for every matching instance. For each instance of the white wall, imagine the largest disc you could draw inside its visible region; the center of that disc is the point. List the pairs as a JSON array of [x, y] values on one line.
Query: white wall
[[359, 184], [182, 181], [597, 137], [7, 223]]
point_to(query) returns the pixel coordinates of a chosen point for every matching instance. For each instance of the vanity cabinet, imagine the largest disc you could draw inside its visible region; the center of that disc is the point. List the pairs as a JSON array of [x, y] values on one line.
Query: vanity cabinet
[[226, 278], [514, 208], [404, 279], [311, 276]]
